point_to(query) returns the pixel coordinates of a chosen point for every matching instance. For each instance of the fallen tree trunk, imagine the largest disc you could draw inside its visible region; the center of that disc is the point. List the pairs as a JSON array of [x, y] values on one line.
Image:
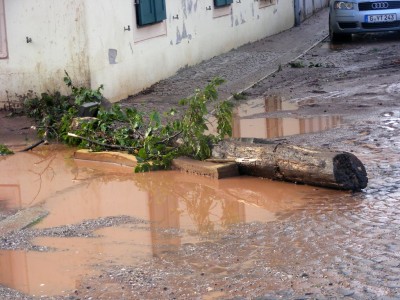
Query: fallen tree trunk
[[281, 161]]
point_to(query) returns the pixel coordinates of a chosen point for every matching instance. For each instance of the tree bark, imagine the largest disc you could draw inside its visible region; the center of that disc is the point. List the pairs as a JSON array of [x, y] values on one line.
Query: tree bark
[[282, 161]]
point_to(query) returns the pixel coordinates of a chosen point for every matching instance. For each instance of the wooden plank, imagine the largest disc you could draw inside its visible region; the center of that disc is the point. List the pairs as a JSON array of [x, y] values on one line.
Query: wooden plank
[[120, 158], [210, 169]]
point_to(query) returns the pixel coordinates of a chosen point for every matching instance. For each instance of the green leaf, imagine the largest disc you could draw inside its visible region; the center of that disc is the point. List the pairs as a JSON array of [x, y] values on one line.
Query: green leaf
[[142, 154], [4, 150]]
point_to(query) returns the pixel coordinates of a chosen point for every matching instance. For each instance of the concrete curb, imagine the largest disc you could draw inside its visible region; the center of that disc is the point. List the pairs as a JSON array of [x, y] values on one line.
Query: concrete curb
[[273, 72], [22, 219]]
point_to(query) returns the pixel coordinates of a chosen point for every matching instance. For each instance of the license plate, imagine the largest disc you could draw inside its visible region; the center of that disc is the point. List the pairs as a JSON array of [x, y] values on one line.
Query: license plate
[[381, 18]]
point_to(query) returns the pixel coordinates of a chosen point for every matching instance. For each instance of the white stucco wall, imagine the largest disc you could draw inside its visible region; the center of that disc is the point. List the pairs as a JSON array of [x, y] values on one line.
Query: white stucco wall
[[195, 36], [78, 35], [57, 30]]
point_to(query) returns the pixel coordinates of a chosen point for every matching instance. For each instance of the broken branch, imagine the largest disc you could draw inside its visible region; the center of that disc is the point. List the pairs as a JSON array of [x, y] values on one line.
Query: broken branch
[[33, 146], [117, 147]]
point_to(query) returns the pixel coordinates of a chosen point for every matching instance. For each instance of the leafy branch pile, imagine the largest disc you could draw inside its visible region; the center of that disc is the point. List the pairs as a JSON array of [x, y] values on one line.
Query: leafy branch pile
[[155, 139], [4, 150]]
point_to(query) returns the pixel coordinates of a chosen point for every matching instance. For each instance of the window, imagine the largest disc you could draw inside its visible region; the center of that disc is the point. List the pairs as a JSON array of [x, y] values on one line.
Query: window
[[3, 39], [150, 12], [220, 3]]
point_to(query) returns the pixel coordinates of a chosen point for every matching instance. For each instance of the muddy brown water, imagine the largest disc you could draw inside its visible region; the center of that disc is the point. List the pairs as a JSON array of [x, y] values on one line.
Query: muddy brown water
[[252, 119], [247, 123], [74, 191]]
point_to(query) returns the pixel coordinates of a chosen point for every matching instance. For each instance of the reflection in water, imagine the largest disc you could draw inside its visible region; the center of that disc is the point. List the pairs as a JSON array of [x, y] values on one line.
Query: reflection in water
[[276, 127], [10, 197], [52, 273], [30, 178], [263, 105], [280, 127], [74, 191]]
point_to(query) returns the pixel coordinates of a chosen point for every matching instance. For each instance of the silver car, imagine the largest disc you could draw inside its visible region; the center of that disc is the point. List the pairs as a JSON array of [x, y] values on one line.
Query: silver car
[[358, 16]]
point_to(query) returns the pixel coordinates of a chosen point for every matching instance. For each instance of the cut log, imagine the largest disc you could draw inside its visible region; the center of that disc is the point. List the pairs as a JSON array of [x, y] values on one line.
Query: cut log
[[282, 161]]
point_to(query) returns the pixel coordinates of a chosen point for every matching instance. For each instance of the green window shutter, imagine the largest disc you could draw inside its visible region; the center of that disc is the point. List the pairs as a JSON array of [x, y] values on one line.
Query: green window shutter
[[160, 11], [150, 12], [145, 13], [219, 3]]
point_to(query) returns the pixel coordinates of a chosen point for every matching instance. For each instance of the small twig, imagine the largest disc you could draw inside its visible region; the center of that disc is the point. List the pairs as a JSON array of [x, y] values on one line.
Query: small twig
[[118, 147], [169, 138], [46, 133], [41, 173], [33, 146]]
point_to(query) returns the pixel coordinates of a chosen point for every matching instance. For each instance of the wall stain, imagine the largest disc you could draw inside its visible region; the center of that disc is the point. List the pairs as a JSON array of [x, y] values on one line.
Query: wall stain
[[190, 6], [184, 8], [181, 36], [195, 6], [184, 32], [187, 7], [242, 20], [178, 36]]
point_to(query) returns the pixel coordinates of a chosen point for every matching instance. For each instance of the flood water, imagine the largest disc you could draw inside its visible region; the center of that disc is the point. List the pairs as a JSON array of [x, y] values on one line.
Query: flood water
[[73, 191], [246, 122]]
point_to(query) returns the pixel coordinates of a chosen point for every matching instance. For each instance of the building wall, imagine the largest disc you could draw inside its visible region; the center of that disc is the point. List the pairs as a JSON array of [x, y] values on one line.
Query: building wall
[[309, 7], [57, 41], [89, 39], [191, 34]]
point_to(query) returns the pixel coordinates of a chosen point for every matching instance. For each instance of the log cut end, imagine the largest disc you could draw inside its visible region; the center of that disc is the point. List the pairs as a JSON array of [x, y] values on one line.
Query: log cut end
[[349, 172]]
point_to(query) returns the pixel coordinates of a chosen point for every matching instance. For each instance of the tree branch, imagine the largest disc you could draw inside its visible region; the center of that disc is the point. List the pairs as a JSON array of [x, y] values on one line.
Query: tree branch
[[33, 146], [117, 147], [169, 138]]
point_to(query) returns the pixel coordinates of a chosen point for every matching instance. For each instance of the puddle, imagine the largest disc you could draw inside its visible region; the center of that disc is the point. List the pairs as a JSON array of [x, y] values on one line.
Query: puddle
[[73, 191], [247, 124], [263, 105], [281, 127], [59, 271], [244, 126]]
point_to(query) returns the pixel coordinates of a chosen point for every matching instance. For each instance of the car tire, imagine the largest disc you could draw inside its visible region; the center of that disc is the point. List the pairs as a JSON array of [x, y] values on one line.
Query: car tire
[[338, 37]]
